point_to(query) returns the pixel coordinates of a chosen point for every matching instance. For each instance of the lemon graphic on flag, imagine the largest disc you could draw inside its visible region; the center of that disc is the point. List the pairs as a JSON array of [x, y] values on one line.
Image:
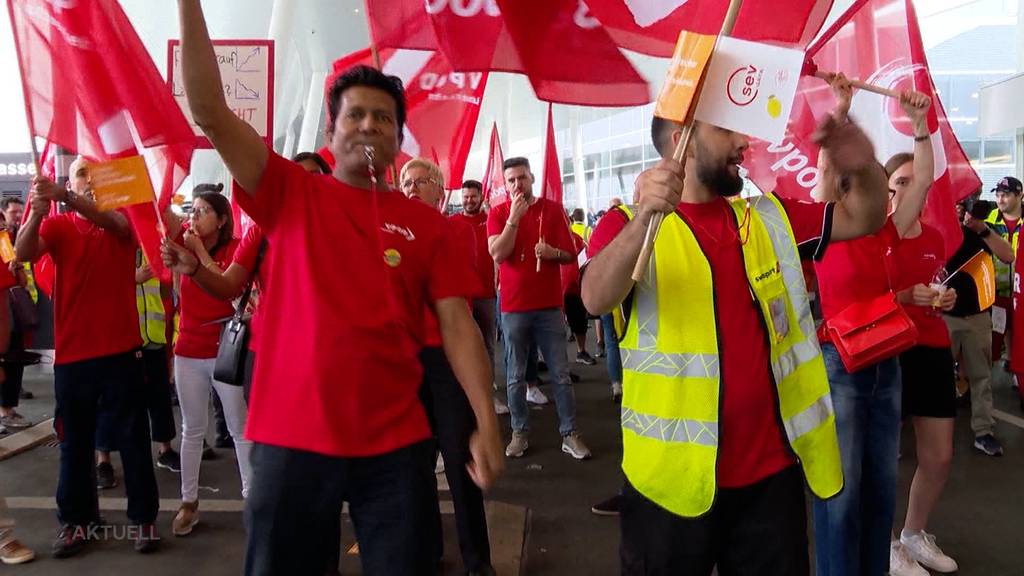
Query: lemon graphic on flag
[[774, 106]]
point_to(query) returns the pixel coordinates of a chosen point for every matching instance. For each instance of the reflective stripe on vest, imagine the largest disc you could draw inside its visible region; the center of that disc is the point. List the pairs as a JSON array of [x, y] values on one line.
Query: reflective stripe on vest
[[672, 379], [1004, 272], [150, 306], [30, 282]]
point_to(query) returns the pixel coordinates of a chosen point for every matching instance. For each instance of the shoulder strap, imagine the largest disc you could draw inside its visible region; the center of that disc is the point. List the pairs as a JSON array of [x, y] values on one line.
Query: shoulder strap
[[247, 294]]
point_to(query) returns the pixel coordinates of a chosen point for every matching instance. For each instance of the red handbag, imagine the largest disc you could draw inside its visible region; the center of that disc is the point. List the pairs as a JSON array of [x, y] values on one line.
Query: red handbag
[[866, 333]]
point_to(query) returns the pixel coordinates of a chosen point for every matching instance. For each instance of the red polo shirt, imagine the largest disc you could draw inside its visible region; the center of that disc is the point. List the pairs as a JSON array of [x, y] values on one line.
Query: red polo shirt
[[337, 371], [483, 263]]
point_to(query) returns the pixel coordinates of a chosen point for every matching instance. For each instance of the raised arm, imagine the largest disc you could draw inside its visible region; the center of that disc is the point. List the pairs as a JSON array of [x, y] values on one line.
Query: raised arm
[[908, 211], [1000, 248], [30, 245], [608, 277], [243, 151], [862, 209]]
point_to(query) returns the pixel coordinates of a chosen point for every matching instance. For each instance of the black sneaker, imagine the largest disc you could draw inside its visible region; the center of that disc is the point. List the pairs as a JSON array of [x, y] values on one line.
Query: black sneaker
[[208, 453], [70, 541], [585, 358], [105, 476], [988, 444], [169, 460], [146, 539], [223, 442], [609, 507]]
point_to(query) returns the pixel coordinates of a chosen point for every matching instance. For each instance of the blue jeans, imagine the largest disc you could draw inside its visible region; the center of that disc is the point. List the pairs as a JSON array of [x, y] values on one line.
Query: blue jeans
[[852, 530], [544, 329], [613, 358]]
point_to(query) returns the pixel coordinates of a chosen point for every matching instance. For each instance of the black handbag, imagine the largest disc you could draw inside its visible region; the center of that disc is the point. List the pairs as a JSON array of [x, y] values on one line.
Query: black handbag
[[23, 310], [234, 337]]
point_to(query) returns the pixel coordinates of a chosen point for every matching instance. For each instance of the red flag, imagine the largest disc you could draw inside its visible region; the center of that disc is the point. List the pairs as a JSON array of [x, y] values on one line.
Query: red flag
[[551, 180], [652, 26], [494, 174], [877, 41], [91, 87], [568, 57], [442, 106]]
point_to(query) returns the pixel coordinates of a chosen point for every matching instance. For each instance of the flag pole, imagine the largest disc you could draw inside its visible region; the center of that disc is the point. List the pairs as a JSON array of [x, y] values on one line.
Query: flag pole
[[679, 155], [375, 57], [811, 69], [24, 90]]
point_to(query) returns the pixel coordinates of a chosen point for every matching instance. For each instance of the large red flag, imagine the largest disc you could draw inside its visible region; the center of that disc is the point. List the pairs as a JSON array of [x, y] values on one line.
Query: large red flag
[[442, 106], [551, 179], [652, 26], [92, 88], [567, 56], [877, 41], [494, 175]]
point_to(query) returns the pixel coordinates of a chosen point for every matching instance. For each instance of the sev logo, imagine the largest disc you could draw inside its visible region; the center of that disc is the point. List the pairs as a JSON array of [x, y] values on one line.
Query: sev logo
[[744, 84]]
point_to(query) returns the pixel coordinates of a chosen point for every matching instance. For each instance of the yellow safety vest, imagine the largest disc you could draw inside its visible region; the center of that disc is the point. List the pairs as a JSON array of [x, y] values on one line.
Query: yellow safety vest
[[30, 282], [1004, 271], [671, 364], [580, 229], [151, 310]]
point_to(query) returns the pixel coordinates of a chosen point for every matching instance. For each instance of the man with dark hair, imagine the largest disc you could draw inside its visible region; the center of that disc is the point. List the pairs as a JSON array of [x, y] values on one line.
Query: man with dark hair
[[719, 345], [528, 238], [356, 264], [484, 308]]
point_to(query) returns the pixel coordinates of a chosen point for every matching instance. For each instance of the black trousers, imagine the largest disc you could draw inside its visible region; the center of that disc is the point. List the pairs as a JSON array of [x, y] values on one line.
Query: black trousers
[[10, 389], [452, 421], [296, 496], [119, 381], [757, 530], [158, 404]]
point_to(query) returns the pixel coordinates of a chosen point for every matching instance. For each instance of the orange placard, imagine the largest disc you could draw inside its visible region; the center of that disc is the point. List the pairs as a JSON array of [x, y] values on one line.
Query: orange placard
[[682, 82], [6, 248], [981, 270], [120, 182]]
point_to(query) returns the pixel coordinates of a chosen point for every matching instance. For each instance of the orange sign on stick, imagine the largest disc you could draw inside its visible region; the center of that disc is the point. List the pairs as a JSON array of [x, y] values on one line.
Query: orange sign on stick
[[682, 83], [6, 248], [121, 182], [981, 270]]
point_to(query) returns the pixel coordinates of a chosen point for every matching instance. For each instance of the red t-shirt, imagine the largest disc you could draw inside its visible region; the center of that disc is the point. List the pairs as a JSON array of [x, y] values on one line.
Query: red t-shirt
[[751, 441], [523, 289], [245, 256], [465, 245], [484, 264], [1017, 321], [917, 260], [856, 270], [7, 280], [337, 371], [570, 273], [200, 315], [94, 289]]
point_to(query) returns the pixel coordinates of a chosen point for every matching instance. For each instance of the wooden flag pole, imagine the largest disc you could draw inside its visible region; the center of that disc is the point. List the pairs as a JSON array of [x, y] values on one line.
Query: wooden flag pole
[[679, 155], [811, 69]]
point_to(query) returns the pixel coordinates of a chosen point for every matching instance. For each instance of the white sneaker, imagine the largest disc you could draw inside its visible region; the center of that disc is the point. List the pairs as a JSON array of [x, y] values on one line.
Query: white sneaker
[[535, 396], [499, 406], [617, 392], [439, 465], [517, 446], [922, 547], [573, 446], [900, 562]]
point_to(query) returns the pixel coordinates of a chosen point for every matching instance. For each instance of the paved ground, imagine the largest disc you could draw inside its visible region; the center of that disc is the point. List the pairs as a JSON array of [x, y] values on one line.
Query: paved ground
[[979, 521]]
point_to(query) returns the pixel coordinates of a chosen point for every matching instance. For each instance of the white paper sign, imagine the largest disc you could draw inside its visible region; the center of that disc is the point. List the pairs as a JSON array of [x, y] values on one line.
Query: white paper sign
[[999, 319], [749, 88]]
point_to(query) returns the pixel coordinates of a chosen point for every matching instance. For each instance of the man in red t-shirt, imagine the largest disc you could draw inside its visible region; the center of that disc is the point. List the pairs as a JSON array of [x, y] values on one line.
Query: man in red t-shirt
[[757, 519], [484, 306], [529, 240], [97, 353], [334, 414]]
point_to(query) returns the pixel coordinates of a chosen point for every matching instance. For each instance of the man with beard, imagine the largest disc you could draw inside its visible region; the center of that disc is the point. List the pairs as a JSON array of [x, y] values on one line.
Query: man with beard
[[484, 309], [726, 408]]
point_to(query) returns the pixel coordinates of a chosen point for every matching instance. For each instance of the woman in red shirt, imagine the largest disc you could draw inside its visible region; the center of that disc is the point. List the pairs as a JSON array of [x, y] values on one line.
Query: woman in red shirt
[[210, 238], [929, 385]]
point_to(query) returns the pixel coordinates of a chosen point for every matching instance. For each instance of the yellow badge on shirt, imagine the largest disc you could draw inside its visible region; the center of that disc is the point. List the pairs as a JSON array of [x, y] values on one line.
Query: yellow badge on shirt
[[392, 257]]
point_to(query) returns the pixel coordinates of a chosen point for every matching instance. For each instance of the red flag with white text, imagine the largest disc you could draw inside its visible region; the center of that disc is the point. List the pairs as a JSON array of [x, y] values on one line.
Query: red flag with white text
[[877, 41], [494, 174], [567, 56], [551, 179], [92, 88], [652, 26], [442, 106]]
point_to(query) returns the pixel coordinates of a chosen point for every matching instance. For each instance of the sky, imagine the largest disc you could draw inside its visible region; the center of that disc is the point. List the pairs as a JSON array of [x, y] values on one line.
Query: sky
[[940, 20]]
